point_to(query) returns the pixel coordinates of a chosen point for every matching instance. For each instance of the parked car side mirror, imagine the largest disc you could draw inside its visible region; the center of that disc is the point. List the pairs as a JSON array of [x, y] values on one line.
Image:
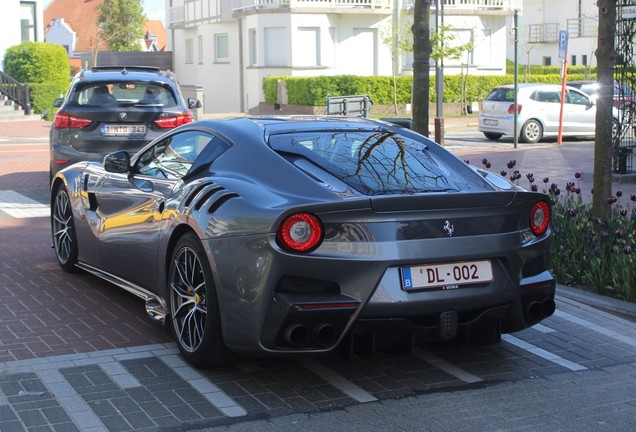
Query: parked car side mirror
[[117, 162], [194, 103], [58, 102]]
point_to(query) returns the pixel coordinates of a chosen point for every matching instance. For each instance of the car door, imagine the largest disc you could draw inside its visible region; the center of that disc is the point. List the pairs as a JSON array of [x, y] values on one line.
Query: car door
[[579, 114], [131, 206], [547, 106]]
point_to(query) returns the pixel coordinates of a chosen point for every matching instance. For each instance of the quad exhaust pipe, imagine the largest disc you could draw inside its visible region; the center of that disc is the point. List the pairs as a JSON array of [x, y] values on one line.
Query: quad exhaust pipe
[[299, 335], [536, 311]]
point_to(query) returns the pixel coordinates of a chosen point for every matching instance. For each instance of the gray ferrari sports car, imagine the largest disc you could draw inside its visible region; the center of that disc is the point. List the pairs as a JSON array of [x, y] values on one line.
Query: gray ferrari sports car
[[296, 235]]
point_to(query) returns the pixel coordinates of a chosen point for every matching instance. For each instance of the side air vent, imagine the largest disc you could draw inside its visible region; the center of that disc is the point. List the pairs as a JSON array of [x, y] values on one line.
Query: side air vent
[[195, 192], [217, 203], [206, 196]]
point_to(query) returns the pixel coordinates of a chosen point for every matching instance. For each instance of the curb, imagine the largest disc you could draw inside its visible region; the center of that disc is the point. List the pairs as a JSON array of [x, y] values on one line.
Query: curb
[[608, 304]]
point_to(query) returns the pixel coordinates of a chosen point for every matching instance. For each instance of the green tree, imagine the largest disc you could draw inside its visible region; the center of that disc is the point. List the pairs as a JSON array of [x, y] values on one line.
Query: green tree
[[121, 24], [444, 47], [398, 38]]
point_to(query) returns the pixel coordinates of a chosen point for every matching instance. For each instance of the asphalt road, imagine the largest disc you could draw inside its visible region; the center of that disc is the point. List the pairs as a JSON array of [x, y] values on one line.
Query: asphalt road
[[78, 354]]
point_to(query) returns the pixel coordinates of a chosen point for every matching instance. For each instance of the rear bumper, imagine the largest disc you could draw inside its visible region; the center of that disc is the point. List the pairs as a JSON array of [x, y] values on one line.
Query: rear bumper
[[492, 124]]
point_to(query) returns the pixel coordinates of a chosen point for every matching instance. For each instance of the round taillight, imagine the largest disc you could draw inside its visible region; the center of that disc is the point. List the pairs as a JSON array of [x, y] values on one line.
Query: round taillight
[[300, 232], [540, 218]]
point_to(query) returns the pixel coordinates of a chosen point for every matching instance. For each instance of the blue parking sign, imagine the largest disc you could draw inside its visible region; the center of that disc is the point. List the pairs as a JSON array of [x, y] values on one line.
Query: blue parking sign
[[563, 43]]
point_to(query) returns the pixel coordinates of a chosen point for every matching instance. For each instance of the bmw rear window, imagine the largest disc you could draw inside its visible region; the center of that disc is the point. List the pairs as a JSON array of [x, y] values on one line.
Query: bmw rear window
[[375, 162], [123, 94]]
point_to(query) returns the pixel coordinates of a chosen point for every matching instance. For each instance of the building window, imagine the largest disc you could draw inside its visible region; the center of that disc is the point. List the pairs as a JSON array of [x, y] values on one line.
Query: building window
[[253, 48], [189, 51], [547, 61], [584, 60], [27, 21], [276, 49], [573, 61], [309, 40], [200, 49], [221, 48]]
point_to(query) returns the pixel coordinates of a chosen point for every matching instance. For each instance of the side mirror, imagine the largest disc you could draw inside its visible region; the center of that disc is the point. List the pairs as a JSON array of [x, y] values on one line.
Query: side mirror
[[194, 103], [58, 102], [117, 162]]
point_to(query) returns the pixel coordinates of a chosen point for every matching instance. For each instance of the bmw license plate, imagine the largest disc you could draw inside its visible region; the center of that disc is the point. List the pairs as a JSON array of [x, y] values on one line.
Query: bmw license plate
[[123, 130], [446, 276], [490, 122]]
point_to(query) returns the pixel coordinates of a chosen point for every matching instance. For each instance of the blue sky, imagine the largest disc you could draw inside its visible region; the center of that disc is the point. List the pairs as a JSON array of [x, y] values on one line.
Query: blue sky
[[155, 9]]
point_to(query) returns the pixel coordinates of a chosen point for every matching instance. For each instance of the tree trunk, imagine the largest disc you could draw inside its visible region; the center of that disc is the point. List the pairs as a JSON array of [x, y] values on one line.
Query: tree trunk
[[603, 144], [421, 65]]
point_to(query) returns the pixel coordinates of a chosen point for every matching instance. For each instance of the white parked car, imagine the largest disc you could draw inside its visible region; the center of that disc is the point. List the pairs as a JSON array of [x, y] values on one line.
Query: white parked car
[[538, 107]]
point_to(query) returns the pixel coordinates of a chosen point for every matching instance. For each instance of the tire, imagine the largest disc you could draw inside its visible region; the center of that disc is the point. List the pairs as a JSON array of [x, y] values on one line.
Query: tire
[[492, 136], [531, 132], [63, 230], [195, 317]]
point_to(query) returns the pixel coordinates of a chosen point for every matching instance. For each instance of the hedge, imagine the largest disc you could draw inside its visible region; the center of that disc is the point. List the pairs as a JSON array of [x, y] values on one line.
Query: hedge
[[44, 67], [313, 91]]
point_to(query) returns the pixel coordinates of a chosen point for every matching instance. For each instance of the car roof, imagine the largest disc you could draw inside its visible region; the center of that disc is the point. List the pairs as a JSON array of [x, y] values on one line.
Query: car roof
[[125, 73]]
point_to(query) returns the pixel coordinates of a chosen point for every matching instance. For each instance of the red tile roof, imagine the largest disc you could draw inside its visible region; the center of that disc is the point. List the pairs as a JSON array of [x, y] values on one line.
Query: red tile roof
[[156, 28], [81, 16]]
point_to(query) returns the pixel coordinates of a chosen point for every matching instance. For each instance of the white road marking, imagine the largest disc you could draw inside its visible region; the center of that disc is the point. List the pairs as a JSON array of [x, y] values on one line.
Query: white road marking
[[338, 381], [19, 206], [443, 365], [599, 329], [540, 352]]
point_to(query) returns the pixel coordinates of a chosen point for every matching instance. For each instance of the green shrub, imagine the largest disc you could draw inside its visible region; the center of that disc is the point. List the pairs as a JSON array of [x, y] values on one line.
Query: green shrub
[[42, 96], [313, 91], [44, 67], [37, 62]]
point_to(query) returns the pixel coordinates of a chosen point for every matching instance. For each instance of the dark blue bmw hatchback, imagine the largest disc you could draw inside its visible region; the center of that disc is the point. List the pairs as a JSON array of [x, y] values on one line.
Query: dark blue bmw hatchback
[[115, 108]]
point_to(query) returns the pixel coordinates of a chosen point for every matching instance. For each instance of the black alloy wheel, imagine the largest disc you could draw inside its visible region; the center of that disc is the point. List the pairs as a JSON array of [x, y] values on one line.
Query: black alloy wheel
[[196, 321], [63, 230]]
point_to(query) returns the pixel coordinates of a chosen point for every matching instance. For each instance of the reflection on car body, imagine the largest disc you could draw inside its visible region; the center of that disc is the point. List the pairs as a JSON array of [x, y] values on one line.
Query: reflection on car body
[[294, 235]]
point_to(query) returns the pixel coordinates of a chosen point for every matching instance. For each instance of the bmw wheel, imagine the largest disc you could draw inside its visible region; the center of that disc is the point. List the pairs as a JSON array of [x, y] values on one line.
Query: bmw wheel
[[531, 132], [63, 230], [196, 322]]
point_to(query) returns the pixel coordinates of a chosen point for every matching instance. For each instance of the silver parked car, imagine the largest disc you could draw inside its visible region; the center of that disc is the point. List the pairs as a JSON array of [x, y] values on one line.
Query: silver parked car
[[539, 107]]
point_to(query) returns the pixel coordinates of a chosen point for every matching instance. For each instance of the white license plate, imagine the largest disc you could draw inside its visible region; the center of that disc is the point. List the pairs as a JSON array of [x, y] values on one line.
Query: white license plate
[[447, 275], [123, 130], [490, 122]]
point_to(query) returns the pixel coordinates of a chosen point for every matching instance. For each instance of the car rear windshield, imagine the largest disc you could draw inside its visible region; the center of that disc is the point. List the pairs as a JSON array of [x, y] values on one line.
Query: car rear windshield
[[501, 95], [374, 162], [142, 94]]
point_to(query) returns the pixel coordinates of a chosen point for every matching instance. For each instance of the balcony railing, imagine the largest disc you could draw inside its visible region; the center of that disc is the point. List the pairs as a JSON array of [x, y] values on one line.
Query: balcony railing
[[239, 5], [473, 4], [542, 33]]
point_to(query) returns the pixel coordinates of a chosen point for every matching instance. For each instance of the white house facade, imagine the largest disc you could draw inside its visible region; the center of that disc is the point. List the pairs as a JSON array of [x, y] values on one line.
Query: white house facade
[[20, 20], [228, 46], [539, 27]]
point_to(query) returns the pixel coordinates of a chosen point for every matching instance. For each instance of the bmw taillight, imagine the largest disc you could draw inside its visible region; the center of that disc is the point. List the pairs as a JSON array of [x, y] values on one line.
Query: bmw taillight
[[174, 121], [300, 232], [511, 109], [65, 120], [540, 218]]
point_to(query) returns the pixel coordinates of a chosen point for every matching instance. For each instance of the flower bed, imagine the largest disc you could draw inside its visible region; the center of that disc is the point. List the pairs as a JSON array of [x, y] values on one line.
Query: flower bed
[[586, 251]]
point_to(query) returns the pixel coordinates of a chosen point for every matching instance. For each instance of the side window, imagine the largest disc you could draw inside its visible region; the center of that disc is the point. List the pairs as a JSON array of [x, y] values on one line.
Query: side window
[[172, 157], [576, 98], [548, 96]]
